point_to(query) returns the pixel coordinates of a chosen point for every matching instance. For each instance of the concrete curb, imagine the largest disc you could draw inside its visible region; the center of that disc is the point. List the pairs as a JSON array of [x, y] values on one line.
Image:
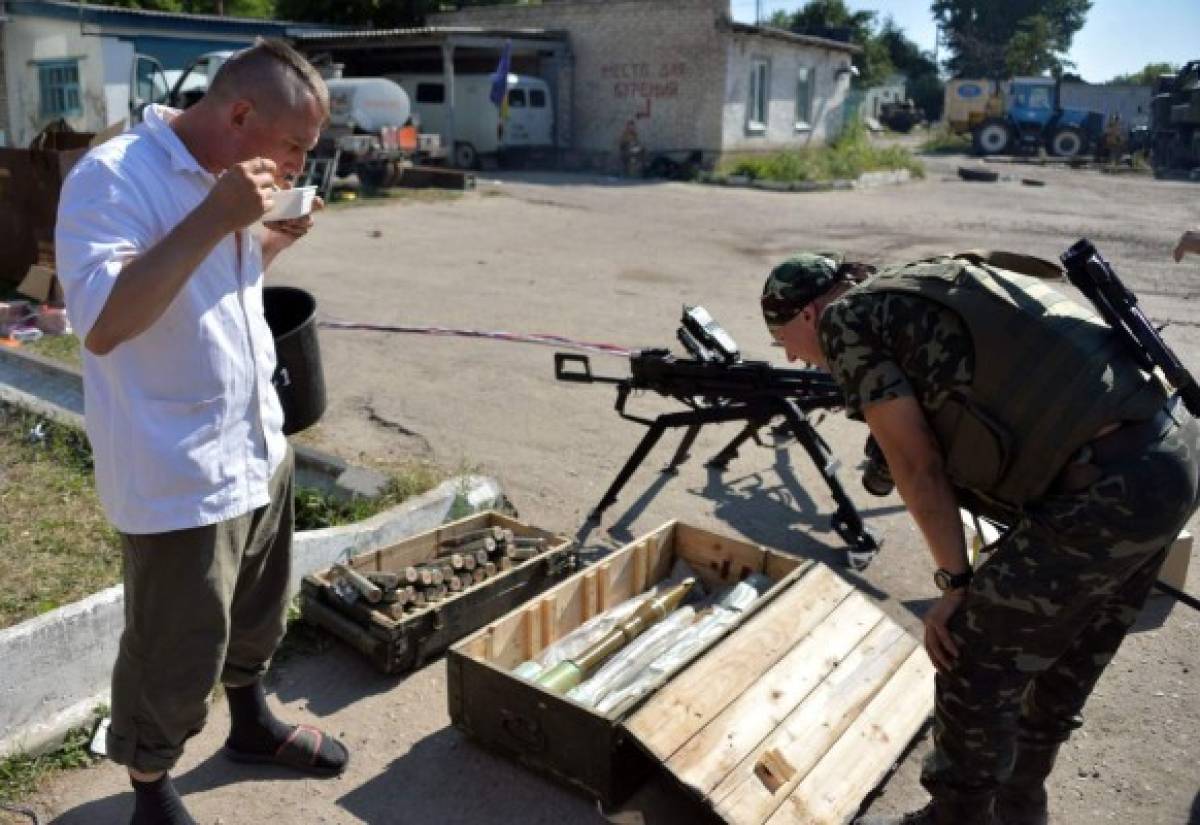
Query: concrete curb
[[868, 180], [55, 668], [56, 391]]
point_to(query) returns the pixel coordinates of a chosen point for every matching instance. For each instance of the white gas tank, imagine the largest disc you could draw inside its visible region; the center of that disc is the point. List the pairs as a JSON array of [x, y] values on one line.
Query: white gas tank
[[371, 103]]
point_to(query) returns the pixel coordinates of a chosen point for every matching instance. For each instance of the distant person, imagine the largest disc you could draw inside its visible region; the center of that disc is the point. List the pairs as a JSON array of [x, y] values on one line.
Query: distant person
[[631, 151], [162, 267], [1090, 461], [1189, 244]]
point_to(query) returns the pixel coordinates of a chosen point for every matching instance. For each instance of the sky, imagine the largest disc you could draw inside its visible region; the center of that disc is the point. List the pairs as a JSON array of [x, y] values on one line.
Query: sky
[[1120, 36]]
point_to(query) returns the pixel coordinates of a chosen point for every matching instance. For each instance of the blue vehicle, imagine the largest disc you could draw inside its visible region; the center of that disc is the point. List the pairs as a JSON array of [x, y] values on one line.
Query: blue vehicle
[[1033, 119]]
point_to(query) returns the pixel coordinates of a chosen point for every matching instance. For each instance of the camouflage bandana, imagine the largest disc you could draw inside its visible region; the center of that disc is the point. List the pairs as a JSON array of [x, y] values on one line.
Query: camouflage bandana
[[793, 284]]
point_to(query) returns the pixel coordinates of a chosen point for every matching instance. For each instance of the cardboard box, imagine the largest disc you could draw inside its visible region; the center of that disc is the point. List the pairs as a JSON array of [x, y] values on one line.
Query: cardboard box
[[1175, 569], [794, 715]]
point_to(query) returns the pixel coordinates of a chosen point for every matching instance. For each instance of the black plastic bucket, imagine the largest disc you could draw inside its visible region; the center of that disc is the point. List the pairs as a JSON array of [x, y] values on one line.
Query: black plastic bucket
[[292, 316]]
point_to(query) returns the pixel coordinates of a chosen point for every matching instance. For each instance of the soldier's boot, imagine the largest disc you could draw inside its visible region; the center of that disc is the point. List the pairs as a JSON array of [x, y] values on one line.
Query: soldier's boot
[[944, 809], [1022, 800]]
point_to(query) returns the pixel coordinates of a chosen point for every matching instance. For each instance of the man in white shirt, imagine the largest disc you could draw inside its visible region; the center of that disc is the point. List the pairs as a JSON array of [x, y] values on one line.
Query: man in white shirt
[[162, 268]]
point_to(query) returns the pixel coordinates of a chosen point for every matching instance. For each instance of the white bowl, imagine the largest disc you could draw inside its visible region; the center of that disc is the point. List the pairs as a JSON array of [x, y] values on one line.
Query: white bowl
[[291, 203]]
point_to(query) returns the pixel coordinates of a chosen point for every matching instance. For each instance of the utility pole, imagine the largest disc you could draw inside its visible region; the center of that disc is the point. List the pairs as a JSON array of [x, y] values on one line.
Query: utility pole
[[758, 12]]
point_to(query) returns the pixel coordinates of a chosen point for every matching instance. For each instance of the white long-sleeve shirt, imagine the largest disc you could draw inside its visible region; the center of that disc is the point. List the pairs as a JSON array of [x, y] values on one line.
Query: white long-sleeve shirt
[[185, 425]]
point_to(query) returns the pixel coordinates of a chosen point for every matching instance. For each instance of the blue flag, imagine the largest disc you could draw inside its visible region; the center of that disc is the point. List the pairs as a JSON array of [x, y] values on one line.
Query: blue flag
[[499, 93]]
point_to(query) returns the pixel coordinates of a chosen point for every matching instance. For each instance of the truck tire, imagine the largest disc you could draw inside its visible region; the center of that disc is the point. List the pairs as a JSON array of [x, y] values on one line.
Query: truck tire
[[1067, 142], [992, 137], [373, 175], [465, 156]]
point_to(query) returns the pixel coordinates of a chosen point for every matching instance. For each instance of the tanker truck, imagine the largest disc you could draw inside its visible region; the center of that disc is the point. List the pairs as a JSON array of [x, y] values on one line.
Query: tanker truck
[[371, 132]]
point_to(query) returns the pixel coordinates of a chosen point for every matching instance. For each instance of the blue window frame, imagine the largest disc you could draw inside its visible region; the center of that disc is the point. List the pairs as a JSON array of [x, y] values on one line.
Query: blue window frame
[[59, 84]]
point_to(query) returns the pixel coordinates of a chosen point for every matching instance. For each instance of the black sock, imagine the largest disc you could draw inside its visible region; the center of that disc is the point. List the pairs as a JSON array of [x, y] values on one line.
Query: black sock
[[252, 726], [157, 803]]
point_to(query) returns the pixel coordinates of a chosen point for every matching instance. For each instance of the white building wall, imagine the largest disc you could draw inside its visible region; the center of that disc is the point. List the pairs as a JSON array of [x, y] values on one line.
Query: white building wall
[[32, 39], [829, 90], [659, 63]]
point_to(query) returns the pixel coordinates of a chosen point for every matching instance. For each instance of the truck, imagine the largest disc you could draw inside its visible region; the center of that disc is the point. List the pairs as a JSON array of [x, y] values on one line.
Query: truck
[[1175, 123], [1019, 115], [371, 131], [478, 131]]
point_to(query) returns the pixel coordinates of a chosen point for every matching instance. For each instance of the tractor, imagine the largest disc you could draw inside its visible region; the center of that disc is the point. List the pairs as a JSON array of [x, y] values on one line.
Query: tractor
[[1032, 119]]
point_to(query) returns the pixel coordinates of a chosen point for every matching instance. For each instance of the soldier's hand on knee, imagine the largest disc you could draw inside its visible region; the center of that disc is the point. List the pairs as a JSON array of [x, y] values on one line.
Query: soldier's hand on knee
[[938, 642]]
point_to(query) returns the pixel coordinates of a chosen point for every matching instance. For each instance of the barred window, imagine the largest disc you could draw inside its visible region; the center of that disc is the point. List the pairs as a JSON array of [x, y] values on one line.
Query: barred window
[[59, 84]]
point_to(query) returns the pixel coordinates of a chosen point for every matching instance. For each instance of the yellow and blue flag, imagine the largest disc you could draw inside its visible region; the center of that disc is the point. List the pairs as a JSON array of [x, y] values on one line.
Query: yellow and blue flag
[[499, 92]]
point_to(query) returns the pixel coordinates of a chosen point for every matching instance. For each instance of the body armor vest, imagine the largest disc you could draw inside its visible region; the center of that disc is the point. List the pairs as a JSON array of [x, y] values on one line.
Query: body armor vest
[[1049, 374]]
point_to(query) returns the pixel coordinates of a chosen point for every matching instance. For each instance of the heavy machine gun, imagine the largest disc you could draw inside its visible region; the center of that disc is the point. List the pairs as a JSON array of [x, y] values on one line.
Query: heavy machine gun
[[717, 386]]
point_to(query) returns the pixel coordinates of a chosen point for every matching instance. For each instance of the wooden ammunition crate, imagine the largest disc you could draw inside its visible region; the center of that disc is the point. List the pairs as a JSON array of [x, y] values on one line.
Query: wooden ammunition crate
[[402, 644], [794, 716]]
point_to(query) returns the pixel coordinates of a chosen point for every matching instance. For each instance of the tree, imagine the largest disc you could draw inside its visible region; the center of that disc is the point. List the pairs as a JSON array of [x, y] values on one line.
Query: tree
[[1146, 76], [925, 87], [834, 19], [995, 40]]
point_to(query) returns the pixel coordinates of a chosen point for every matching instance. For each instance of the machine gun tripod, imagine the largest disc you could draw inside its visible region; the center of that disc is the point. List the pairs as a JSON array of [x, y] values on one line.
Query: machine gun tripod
[[717, 387]]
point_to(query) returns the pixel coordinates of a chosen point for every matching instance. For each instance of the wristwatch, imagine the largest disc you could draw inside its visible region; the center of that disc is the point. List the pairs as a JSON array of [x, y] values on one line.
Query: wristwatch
[[952, 581]]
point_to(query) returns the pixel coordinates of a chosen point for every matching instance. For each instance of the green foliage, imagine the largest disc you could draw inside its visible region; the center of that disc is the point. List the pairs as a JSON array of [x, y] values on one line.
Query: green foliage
[[1146, 75], [849, 156], [943, 141], [833, 18], [925, 87], [989, 39], [316, 510], [22, 775]]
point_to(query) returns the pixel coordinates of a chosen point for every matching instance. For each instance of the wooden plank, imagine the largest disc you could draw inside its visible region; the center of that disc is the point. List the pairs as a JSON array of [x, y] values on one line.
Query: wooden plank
[[549, 630], [641, 567], [834, 790], [698, 694], [753, 790], [717, 558], [717, 749]]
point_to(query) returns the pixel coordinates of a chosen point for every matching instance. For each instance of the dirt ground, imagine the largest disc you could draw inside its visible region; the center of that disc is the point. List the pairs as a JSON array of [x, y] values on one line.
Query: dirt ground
[[605, 260]]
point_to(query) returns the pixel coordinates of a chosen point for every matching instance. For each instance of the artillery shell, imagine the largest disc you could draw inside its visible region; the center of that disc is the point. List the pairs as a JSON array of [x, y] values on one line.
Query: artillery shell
[[487, 544], [471, 536], [388, 581], [524, 553], [529, 541], [489, 569], [479, 575], [356, 580]]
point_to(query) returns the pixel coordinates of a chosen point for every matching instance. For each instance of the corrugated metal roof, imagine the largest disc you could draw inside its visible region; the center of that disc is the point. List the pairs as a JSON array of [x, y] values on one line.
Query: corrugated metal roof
[[430, 31], [793, 37], [172, 15]]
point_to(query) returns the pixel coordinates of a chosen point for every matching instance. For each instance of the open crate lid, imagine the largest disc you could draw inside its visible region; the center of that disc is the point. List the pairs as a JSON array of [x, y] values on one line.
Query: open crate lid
[[798, 714]]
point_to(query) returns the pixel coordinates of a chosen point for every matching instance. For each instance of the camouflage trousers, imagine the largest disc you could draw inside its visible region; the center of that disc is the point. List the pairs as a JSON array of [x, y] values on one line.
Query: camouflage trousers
[[1049, 609]]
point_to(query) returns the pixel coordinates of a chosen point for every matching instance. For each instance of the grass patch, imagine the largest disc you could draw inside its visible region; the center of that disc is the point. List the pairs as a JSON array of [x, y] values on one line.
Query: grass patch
[[21, 776], [58, 545], [61, 348], [945, 142], [315, 509], [849, 156]]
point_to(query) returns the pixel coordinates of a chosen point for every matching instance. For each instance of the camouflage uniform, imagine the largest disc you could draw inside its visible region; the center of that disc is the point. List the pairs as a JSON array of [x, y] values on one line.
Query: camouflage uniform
[[1049, 609]]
